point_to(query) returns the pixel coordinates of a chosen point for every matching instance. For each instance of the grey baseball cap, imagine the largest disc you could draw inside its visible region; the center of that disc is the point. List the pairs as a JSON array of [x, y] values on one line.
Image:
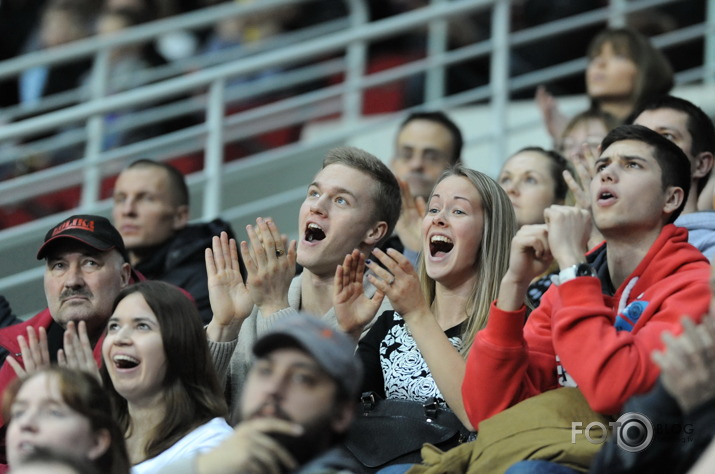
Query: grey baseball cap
[[332, 349]]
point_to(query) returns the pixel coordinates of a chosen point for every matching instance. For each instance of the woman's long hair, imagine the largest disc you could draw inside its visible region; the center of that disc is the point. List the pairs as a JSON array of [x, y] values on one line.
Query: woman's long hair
[[655, 73], [493, 255], [191, 389], [84, 395]]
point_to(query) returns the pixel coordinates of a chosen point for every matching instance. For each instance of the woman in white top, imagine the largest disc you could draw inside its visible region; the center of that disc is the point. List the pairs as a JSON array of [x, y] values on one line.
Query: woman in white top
[[160, 376]]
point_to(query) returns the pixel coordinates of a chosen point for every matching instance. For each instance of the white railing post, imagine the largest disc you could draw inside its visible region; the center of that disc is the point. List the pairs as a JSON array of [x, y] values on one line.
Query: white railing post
[[499, 76], [437, 43], [213, 157], [617, 15], [95, 133], [356, 64], [709, 59]]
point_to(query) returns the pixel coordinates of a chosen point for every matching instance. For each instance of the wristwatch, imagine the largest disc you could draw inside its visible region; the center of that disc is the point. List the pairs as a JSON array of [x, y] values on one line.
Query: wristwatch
[[574, 271]]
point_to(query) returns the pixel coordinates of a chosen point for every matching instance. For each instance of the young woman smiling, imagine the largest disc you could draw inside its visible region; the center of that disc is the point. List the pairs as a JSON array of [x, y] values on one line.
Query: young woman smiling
[[418, 350], [160, 376]]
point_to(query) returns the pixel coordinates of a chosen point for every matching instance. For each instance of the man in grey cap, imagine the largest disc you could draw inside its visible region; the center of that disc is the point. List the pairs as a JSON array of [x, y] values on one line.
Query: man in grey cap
[[297, 403]]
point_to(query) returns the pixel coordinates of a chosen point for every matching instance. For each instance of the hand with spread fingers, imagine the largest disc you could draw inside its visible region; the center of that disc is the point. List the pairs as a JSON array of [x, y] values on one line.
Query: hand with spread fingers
[[399, 281], [580, 188], [687, 363], [34, 351], [270, 263], [353, 309], [409, 225], [77, 352], [252, 448], [231, 301]]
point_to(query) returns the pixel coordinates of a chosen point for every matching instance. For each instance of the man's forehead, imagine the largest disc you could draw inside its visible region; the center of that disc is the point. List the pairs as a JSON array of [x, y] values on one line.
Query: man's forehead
[[665, 118], [148, 177], [342, 177], [629, 148], [61, 248], [292, 356]]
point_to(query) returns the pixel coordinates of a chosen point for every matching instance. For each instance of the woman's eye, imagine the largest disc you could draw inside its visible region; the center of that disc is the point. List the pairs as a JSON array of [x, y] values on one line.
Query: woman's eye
[[432, 210], [341, 200]]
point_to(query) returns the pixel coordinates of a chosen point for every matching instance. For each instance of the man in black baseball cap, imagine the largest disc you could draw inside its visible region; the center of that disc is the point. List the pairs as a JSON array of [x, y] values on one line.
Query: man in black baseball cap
[[86, 266]]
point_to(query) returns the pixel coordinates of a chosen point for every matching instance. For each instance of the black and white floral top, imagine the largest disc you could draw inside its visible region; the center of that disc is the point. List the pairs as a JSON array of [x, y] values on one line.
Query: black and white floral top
[[394, 366]]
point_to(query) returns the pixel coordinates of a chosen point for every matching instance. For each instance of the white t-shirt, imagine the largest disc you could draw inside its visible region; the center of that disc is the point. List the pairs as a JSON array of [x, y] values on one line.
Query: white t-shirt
[[203, 438]]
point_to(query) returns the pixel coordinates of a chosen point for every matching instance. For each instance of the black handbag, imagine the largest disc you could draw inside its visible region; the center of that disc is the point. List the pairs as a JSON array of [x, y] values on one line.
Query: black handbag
[[392, 431]]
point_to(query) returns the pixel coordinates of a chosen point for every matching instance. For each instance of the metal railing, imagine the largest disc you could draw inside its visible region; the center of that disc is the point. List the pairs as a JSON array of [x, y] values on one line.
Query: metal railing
[[340, 49]]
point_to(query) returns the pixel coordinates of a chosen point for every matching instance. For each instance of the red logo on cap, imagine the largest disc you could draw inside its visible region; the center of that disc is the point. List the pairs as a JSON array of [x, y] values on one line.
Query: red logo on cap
[[77, 223], [326, 333]]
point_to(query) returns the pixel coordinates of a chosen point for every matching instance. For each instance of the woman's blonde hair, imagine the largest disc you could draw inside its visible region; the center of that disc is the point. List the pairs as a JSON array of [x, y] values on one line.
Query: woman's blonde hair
[[493, 255]]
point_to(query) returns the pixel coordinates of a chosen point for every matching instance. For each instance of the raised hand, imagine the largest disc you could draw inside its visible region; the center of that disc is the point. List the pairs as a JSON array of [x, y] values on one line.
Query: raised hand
[[34, 350], [399, 282], [687, 363], [77, 352], [580, 188], [353, 308], [409, 225], [231, 302], [554, 119], [270, 263], [569, 230]]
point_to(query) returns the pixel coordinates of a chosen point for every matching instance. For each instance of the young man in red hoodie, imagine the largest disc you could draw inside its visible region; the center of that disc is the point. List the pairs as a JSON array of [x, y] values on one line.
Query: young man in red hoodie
[[598, 324]]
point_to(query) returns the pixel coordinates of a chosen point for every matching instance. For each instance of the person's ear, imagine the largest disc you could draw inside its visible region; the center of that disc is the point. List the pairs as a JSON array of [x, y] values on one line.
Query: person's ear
[[181, 217], [703, 164], [125, 274], [674, 197], [343, 417], [102, 441], [375, 234]]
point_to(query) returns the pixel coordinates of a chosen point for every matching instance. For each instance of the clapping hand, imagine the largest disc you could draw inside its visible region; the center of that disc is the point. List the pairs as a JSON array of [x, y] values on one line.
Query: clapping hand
[[34, 351], [399, 281], [409, 225], [687, 363], [77, 352], [353, 308], [270, 263], [230, 300]]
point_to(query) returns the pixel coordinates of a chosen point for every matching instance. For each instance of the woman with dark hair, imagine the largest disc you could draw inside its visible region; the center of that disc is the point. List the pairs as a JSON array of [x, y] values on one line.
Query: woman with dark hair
[[60, 409], [624, 70], [160, 376]]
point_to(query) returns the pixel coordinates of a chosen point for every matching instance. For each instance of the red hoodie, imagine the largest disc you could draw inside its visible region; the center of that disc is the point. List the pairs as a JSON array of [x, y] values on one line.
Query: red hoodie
[[603, 343]]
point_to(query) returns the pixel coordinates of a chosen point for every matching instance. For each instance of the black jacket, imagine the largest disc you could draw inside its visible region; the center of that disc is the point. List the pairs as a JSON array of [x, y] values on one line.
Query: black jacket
[[180, 261], [678, 439]]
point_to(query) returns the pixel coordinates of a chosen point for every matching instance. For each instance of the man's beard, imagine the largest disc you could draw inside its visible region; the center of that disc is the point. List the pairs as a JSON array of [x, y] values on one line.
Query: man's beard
[[317, 433]]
